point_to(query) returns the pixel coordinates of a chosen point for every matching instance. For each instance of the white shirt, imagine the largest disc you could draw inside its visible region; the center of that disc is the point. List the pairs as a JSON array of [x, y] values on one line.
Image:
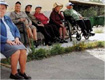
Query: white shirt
[[9, 34]]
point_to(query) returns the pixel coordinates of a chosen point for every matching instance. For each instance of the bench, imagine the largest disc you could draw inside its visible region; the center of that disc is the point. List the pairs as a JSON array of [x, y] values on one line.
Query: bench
[[8, 66], [47, 13]]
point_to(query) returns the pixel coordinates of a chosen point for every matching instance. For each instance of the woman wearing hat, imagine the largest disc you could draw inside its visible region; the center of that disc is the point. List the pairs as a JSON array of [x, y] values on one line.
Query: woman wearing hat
[[10, 44], [56, 18], [51, 29]]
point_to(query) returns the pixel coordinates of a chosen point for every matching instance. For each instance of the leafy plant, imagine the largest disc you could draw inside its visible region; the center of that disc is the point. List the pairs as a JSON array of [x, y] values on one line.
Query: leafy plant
[[57, 49], [79, 47], [40, 54], [90, 12], [32, 46], [69, 49]]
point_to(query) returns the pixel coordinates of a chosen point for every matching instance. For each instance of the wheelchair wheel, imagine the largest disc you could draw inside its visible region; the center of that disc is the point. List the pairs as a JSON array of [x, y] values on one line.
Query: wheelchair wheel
[[86, 37], [78, 37], [70, 30]]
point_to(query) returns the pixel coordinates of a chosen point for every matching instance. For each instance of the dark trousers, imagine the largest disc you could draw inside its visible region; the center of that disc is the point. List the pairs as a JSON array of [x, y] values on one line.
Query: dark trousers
[[56, 30], [45, 33], [43, 30], [52, 30], [85, 26]]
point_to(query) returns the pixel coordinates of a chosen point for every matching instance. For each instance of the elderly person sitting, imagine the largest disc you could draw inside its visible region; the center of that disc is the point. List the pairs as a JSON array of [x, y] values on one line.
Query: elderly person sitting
[[40, 27], [10, 44], [51, 28], [20, 16], [84, 24], [56, 18]]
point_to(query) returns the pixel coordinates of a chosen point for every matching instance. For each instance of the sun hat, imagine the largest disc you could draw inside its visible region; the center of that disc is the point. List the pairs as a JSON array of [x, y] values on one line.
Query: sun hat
[[69, 4], [28, 5], [2, 2], [58, 4], [38, 6]]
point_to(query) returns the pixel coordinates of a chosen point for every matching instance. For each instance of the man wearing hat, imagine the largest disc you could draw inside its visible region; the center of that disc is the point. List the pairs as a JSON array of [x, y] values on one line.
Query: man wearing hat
[[84, 24], [19, 16]]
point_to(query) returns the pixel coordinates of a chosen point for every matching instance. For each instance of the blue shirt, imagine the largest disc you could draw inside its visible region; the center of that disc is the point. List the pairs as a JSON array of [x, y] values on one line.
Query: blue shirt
[[3, 31], [9, 34]]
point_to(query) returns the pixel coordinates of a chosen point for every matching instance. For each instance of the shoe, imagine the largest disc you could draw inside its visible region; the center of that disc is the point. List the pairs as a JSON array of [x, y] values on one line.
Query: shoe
[[65, 41], [23, 75], [57, 39], [36, 44], [48, 43], [91, 34], [54, 40], [16, 76], [61, 41]]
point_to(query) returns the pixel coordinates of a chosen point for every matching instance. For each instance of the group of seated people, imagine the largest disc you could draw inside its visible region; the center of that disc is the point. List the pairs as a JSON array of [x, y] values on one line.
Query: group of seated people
[[52, 31], [10, 44], [52, 28]]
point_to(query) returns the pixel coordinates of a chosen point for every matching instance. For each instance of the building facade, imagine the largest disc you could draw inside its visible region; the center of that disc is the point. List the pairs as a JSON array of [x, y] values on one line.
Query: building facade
[[46, 4]]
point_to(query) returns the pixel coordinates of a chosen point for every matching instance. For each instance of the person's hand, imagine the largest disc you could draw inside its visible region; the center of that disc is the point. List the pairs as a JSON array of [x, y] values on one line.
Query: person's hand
[[41, 25], [61, 25], [30, 24], [17, 41], [59, 12], [81, 17], [22, 19], [11, 42]]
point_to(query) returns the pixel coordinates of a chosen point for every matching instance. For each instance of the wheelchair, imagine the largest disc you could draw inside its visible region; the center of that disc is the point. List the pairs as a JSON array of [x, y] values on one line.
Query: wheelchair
[[73, 28]]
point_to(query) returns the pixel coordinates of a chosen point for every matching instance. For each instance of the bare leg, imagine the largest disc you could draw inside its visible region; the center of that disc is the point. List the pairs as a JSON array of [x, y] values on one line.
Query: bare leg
[[22, 60], [29, 32], [14, 61], [34, 34], [64, 32], [60, 31]]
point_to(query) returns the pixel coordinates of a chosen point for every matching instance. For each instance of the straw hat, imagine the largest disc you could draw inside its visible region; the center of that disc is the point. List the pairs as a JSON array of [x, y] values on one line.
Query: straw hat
[[2, 2], [57, 4]]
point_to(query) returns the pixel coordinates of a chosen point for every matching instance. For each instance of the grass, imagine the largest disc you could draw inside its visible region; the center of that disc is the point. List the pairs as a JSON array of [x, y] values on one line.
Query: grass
[[58, 50]]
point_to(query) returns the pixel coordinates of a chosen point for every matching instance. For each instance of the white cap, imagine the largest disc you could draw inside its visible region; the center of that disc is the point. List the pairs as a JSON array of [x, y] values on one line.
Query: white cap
[[2, 2], [38, 6], [69, 4]]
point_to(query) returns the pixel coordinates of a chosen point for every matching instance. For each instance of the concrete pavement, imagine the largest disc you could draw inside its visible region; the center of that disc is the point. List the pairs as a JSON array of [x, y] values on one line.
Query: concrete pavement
[[86, 65], [72, 66]]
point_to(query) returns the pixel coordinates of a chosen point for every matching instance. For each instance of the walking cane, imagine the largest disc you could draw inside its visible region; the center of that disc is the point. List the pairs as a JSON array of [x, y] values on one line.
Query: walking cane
[[28, 37]]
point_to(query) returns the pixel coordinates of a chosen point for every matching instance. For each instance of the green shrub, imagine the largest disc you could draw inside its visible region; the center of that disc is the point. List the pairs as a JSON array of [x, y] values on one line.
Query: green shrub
[[32, 46], [40, 54], [79, 47], [57, 49], [6, 61], [98, 44], [69, 49], [90, 12], [101, 44]]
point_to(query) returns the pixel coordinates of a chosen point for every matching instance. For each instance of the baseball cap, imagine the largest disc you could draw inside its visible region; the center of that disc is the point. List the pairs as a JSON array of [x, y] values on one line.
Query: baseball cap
[[69, 4], [2, 2]]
